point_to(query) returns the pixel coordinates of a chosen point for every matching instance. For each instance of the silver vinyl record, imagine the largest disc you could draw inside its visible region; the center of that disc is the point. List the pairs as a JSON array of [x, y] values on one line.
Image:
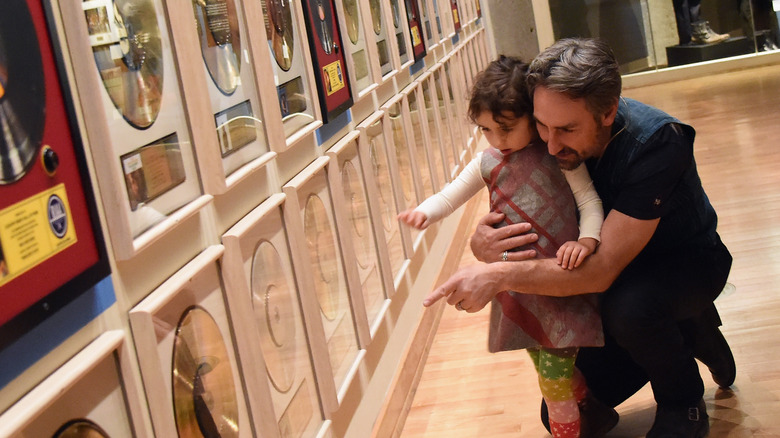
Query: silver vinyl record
[[127, 47], [220, 41]]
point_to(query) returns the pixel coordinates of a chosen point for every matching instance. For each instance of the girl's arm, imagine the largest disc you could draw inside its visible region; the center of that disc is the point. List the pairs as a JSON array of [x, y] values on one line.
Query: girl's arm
[[455, 194], [588, 202]]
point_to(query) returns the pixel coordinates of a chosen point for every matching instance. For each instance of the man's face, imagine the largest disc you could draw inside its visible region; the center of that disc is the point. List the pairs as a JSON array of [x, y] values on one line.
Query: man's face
[[571, 132]]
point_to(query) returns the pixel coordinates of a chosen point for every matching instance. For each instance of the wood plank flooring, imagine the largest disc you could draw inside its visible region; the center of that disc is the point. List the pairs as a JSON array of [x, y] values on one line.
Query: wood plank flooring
[[467, 392]]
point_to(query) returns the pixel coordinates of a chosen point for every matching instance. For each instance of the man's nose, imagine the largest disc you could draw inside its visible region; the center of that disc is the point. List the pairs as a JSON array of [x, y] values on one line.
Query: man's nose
[[553, 143]]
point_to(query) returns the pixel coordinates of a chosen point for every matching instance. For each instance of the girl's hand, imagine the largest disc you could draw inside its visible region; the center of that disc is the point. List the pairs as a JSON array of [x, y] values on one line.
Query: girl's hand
[[571, 254], [414, 219]]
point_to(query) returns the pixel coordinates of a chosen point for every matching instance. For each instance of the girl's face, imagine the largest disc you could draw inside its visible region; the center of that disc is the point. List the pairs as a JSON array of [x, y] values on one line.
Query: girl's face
[[506, 132]]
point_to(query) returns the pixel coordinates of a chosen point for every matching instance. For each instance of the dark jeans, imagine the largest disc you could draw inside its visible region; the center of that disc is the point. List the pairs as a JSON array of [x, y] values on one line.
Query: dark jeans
[[648, 316], [686, 12]]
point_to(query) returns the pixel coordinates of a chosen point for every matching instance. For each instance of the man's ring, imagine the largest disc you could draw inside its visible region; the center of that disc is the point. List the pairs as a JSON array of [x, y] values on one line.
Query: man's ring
[[458, 306], [504, 256]]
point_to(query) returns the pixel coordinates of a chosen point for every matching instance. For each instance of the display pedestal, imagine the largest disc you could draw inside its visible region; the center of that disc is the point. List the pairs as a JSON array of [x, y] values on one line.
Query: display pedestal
[[679, 55]]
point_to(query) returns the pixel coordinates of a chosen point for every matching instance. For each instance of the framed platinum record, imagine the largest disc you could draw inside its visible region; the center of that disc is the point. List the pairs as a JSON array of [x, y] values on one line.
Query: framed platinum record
[[128, 84], [290, 64], [232, 87]]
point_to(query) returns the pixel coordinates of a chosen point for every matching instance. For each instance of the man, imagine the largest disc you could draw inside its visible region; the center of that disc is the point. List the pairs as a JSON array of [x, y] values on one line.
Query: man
[[660, 263]]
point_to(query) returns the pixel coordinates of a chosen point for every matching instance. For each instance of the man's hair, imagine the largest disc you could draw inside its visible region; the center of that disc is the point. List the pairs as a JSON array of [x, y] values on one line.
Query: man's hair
[[581, 68], [499, 88]]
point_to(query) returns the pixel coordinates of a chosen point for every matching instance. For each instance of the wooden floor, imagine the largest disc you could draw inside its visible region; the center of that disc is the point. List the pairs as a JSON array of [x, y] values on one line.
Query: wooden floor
[[467, 392]]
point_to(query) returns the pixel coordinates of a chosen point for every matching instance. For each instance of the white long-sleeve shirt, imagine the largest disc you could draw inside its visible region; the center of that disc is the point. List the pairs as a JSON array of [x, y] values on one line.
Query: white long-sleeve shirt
[[470, 181]]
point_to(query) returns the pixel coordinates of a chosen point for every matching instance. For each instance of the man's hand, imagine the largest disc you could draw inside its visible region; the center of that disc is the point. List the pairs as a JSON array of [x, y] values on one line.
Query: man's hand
[[488, 244], [472, 286]]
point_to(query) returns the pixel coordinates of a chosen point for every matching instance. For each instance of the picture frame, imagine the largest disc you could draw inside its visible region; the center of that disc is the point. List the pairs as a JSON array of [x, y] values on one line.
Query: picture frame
[[52, 247], [265, 300], [292, 67], [328, 59], [149, 176], [184, 335], [90, 393], [358, 224], [375, 150], [336, 308]]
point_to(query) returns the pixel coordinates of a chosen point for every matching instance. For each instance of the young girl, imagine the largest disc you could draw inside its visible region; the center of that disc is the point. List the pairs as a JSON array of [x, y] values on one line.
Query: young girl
[[526, 185]]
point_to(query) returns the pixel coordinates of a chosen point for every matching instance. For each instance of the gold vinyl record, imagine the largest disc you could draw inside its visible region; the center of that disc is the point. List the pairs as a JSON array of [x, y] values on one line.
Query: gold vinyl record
[[279, 26], [376, 15], [321, 242], [273, 301], [127, 48], [22, 93], [204, 396], [80, 429], [352, 20], [220, 41], [358, 211]]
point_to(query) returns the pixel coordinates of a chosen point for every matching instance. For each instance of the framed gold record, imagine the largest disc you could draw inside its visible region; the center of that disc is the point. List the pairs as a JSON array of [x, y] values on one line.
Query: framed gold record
[[265, 300], [380, 27], [128, 85], [452, 84], [358, 223], [404, 175], [402, 45], [320, 267], [92, 395], [431, 35], [291, 67], [357, 53], [233, 91], [375, 148], [438, 151], [420, 142], [449, 138], [184, 341]]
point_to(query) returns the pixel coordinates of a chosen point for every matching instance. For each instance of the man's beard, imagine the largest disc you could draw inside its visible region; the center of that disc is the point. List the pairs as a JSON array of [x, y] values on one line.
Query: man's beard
[[568, 159]]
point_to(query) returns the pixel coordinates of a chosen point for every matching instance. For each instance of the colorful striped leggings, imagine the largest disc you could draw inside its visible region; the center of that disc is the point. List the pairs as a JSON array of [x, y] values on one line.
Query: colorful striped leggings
[[562, 387]]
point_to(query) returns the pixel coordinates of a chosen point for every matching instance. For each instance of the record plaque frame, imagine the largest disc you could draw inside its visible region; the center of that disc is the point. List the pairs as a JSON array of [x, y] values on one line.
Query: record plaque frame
[[265, 301], [149, 178], [229, 115], [375, 148], [319, 263], [328, 60], [94, 391], [183, 329], [51, 239], [361, 73], [414, 21], [440, 140], [357, 223]]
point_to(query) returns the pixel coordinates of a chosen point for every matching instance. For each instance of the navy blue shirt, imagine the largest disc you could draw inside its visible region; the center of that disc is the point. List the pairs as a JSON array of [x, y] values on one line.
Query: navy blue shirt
[[648, 171]]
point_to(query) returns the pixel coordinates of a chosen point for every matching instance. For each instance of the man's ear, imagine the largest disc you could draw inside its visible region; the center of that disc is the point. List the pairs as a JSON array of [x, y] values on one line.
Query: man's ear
[[609, 117]]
